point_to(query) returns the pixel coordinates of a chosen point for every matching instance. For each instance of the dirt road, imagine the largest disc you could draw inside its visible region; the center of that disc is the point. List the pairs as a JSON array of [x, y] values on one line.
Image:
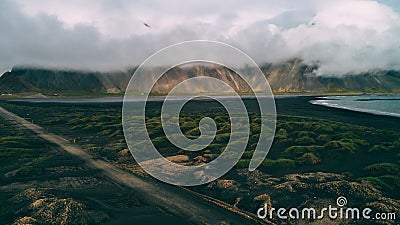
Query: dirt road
[[178, 201]]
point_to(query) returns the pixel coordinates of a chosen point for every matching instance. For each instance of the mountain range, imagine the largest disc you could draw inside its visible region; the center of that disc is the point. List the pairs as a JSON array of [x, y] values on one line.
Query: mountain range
[[293, 76]]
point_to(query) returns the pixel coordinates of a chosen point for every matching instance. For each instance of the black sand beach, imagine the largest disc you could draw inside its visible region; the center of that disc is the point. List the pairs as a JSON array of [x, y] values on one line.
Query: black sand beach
[[293, 105], [300, 106], [288, 105]]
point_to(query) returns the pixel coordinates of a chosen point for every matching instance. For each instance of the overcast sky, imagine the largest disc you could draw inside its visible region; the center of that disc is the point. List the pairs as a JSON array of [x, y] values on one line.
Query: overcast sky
[[344, 36]]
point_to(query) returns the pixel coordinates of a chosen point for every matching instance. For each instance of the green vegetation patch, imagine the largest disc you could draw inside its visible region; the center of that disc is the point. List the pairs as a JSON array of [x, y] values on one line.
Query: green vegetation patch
[[382, 169], [302, 144]]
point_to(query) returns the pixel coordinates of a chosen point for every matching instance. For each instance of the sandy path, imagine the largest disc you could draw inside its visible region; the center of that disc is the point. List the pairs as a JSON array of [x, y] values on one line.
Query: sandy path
[[176, 200]]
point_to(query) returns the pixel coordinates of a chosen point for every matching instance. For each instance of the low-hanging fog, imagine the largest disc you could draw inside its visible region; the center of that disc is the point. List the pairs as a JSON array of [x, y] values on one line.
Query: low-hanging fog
[[344, 36]]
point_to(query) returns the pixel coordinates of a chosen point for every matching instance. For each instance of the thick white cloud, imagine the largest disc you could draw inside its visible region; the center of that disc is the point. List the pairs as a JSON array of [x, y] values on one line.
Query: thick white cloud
[[344, 36]]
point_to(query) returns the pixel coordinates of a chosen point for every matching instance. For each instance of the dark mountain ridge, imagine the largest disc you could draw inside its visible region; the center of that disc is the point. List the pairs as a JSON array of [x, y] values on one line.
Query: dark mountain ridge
[[24, 80], [293, 76]]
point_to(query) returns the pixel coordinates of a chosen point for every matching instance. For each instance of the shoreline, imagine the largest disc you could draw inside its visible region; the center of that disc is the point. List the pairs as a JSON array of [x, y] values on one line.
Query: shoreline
[[355, 109], [302, 107]]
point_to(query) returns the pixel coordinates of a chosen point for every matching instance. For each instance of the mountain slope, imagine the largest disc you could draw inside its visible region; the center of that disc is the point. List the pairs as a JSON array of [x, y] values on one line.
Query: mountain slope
[[21, 80], [295, 76], [288, 77], [15, 84]]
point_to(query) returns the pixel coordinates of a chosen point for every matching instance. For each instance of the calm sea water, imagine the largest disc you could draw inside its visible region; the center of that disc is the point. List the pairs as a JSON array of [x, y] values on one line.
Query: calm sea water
[[375, 104]]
